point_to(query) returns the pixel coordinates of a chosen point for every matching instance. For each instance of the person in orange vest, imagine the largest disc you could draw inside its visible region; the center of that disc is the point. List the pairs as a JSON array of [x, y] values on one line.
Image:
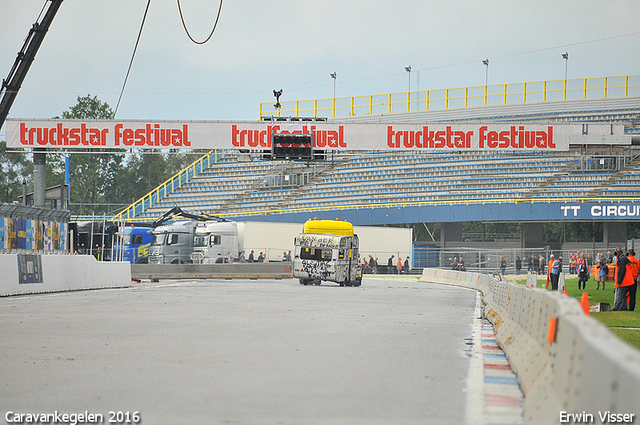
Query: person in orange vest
[[399, 265], [628, 270], [549, 271]]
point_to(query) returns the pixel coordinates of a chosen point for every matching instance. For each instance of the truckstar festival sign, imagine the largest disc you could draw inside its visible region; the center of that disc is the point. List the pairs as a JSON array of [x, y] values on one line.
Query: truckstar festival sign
[[257, 135]]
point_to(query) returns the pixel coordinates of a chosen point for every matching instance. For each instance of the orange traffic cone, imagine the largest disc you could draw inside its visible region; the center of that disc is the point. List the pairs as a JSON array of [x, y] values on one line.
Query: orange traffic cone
[[565, 293], [584, 302]]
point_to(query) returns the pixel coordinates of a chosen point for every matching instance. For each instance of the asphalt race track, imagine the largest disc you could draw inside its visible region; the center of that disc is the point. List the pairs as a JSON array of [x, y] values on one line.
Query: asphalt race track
[[242, 352]]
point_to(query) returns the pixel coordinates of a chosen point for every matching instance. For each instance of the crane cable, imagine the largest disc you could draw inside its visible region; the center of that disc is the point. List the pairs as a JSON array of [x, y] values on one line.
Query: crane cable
[[144, 18], [187, 31]]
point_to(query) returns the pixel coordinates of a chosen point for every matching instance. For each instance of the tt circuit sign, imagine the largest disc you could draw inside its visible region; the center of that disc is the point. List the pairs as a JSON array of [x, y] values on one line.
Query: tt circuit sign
[[109, 134], [608, 211]]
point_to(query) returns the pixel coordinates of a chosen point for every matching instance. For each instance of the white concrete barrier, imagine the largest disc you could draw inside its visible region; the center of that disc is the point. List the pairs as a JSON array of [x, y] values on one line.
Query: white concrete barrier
[[566, 362], [37, 273]]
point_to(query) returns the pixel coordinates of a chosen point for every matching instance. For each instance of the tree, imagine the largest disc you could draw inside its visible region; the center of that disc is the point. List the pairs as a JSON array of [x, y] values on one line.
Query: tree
[[91, 172], [15, 169]]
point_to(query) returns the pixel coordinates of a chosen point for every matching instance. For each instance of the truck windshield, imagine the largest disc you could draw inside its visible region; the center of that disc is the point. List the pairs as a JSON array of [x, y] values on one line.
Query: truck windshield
[[126, 239], [317, 254], [158, 239], [200, 240]]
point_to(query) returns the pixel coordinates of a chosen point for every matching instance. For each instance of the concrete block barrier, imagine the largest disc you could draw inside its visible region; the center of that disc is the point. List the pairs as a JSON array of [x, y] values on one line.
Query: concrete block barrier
[[204, 271], [39, 273], [566, 362]]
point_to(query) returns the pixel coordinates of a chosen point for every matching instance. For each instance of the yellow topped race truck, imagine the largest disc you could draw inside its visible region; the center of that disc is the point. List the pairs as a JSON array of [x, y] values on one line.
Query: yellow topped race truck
[[327, 250]]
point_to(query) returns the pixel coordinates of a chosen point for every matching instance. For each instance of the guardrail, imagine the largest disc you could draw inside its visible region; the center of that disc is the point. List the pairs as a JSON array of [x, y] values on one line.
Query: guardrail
[[493, 94], [566, 362]]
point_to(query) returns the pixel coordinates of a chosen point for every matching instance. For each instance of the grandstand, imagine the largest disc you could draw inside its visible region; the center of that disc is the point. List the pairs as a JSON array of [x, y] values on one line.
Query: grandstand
[[226, 184]]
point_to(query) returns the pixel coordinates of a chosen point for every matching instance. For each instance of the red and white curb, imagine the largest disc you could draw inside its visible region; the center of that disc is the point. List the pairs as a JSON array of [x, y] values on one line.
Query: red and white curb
[[493, 393]]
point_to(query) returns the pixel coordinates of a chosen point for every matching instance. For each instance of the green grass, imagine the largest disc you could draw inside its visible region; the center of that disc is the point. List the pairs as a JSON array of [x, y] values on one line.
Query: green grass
[[630, 335], [613, 319]]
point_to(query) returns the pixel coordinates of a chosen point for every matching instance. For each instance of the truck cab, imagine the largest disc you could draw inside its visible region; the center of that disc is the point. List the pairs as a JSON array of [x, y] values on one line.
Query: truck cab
[[327, 251], [132, 244], [215, 242], [172, 243]]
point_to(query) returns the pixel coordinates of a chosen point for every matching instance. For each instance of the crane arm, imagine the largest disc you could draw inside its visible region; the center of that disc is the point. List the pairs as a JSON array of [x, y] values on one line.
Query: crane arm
[[11, 85]]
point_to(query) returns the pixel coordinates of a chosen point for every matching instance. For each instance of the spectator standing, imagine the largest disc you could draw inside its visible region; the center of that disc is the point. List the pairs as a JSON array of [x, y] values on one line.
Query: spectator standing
[[454, 263], [541, 264], [518, 265], [260, 258], [242, 257], [406, 267], [399, 265], [372, 264], [251, 257], [530, 267], [602, 272], [550, 266], [555, 274], [572, 264], [503, 265], [583, 276], [390, 264], [626, 284]]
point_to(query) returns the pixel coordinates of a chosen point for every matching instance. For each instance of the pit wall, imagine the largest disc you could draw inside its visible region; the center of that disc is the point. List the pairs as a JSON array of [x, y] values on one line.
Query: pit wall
[[575, 366], [36, 273]]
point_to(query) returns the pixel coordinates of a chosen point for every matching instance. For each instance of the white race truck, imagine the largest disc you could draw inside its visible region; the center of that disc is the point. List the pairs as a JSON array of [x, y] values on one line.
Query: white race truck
[[327, 250]]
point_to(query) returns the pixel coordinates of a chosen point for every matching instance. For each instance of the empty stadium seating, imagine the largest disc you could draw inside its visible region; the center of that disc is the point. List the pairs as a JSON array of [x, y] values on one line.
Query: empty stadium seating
[[378, 178]]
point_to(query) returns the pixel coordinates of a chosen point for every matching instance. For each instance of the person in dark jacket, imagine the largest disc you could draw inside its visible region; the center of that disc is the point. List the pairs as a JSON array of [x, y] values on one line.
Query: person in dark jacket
[[390, 265]]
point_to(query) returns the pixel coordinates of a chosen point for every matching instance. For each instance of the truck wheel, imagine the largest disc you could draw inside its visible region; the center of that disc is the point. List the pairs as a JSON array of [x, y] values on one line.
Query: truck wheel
[[317, 282], [358, 282], [304, 282]]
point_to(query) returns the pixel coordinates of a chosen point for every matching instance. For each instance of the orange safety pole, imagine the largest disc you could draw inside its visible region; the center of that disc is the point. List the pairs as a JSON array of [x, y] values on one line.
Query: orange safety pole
[[551, 335]]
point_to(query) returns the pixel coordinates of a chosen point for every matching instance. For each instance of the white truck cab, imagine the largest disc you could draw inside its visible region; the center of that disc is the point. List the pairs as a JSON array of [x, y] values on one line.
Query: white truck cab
[[215, 242]]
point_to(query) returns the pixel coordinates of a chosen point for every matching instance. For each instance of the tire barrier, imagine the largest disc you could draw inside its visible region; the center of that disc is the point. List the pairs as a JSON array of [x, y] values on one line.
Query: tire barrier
[[570, 367], [31, 273]]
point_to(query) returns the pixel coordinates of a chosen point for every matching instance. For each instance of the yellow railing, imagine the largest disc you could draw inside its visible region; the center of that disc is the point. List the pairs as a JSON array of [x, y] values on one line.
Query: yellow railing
[[171, 184], [494, 94], [429, 203]]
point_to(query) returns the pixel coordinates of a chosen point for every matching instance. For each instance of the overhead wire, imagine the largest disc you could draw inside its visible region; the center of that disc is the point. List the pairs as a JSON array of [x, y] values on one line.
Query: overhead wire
[[144, 18], [187, 30]]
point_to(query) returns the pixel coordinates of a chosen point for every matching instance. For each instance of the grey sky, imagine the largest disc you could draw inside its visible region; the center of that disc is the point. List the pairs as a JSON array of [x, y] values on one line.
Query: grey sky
[[295, 44]]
